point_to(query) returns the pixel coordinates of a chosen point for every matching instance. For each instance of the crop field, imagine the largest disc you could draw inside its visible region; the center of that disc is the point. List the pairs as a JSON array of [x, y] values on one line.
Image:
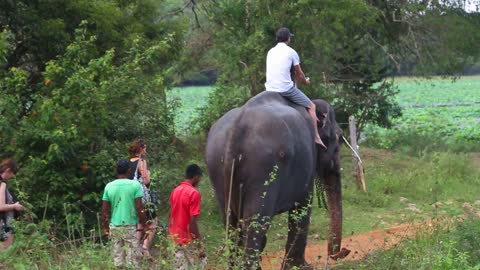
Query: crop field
[[440, 111], [437, 113], [439, 92], [190, 100]]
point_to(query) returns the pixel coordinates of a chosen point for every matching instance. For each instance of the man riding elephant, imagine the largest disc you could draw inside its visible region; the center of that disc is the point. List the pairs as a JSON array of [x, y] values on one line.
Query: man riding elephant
[[280, 60]]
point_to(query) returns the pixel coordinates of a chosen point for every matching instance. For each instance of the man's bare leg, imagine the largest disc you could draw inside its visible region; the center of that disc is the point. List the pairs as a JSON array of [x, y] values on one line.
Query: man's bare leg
[[148, 241], [311, 111]]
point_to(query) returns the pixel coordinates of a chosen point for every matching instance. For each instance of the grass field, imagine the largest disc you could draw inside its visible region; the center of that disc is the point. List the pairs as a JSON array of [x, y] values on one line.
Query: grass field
[[401, 188]]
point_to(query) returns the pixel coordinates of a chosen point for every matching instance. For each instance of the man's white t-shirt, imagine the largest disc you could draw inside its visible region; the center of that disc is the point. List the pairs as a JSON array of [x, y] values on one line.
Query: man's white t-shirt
[[280, 60]]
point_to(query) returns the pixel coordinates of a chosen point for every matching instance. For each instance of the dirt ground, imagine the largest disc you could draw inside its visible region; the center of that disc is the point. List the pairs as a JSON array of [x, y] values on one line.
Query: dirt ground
[[360, 246]]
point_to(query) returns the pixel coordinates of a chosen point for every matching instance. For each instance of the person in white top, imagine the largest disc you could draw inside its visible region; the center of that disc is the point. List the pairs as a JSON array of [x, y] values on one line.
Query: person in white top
[[280, 60]]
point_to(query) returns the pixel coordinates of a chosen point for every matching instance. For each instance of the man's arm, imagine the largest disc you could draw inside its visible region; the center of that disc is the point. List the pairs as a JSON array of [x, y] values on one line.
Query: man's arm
[[194, 228], [300, 75], [141, 212], [106, 217]]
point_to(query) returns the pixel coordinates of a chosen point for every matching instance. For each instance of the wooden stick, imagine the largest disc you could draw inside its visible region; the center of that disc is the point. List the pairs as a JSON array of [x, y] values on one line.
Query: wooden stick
[[360, 177]]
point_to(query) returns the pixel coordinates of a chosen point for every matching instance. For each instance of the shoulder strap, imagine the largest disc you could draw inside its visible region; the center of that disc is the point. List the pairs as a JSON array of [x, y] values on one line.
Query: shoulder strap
[[135, 175]]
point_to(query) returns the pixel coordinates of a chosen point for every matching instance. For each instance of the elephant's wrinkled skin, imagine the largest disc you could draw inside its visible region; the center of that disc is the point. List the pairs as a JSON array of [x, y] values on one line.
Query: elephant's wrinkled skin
[[269, 133]]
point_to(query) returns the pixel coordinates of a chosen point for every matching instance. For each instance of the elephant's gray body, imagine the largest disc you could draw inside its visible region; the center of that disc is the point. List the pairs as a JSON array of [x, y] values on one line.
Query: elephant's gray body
[[271, 143]]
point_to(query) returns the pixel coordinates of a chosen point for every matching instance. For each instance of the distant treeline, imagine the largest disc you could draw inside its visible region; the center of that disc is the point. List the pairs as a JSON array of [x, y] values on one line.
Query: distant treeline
[[209, 77], [202, 78]]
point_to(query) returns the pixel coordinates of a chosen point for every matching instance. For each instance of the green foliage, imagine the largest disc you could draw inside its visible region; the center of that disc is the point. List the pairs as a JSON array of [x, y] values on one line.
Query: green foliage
[[373, 104], [4, 46], [12, 84], [346, 47], [80, 80], [44, 30], [220, 101], [41, 31], [449, 47], [84, 117]]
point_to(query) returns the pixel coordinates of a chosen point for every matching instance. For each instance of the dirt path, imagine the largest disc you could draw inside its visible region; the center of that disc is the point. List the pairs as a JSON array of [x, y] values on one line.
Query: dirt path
[[360, 245]]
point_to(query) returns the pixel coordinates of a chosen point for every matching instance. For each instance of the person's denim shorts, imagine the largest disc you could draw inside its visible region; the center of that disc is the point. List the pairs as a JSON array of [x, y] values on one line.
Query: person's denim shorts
[[296, 96]]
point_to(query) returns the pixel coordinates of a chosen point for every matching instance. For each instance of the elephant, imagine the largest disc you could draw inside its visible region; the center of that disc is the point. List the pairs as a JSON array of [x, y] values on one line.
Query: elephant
[[262, 160]]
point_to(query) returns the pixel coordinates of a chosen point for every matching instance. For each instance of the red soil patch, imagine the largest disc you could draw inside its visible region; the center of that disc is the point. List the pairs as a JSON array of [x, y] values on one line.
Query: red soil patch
[[360, 245]]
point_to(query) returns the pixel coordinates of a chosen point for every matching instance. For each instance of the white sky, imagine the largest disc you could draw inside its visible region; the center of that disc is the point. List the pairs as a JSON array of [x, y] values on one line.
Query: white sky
[[472, 5]]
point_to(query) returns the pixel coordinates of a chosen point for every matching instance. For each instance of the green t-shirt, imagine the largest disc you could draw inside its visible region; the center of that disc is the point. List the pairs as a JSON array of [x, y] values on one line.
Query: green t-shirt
[[121, 194]]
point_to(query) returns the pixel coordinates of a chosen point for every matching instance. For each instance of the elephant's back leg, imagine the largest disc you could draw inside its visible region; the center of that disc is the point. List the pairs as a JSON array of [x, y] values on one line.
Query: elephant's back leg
[[298, 223], [257, 213]]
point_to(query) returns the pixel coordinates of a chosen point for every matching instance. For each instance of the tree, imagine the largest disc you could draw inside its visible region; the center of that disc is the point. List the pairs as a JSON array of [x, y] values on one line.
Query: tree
[[41, 30], [92, 109], [348, 48], [75, 93]]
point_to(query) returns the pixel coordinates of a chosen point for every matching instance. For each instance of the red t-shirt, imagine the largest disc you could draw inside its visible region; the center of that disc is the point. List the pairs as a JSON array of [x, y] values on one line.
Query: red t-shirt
[[185, 203]]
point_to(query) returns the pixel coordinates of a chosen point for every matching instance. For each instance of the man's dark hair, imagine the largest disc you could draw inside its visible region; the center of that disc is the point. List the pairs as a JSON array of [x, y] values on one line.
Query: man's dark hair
[[283, 34], [122, 166], [192, 171]]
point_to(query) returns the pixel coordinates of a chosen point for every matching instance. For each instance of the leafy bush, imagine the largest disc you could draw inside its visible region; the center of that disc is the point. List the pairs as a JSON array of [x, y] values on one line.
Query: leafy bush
[[90, 108]]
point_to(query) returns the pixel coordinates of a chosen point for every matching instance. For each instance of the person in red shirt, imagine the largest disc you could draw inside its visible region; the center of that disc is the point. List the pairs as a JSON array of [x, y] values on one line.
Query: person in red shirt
[[183, 223]]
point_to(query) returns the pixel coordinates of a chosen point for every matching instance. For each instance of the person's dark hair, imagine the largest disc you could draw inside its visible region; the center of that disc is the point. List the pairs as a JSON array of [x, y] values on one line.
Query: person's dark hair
[[192, 171], [123, 166], [9, 164], [136, 147], [283, 34]]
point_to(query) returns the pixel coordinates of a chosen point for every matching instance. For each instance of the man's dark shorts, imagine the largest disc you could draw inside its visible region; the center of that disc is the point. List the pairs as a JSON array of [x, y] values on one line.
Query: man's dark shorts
[[296, 96]]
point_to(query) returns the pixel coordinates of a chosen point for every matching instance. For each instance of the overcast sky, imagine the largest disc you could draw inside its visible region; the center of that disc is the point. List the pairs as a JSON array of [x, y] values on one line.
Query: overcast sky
[[472, 5]]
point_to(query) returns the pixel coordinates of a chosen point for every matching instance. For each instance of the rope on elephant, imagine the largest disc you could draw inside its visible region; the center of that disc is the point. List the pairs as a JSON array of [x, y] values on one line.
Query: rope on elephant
[[353, 150], [320, 194], [229, 201]]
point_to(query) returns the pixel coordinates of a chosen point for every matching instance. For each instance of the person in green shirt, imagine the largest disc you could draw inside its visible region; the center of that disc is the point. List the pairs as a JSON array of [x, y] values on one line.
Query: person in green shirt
[[122, 210]]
